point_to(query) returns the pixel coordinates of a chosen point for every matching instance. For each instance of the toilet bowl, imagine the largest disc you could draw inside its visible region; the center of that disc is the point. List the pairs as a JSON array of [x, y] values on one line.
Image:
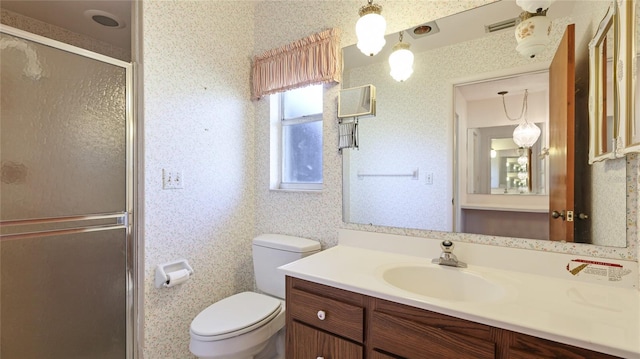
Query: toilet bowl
[[250, 325], [239, 327]]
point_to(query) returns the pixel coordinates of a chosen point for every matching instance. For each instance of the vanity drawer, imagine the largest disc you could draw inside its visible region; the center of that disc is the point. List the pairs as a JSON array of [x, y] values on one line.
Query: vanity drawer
[[313, 343], [342, 311], [443, 322], [413, 340], [522, 346]]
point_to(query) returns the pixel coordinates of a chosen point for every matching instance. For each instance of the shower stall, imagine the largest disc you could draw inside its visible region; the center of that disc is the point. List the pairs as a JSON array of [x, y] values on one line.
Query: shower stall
[[67, 251]]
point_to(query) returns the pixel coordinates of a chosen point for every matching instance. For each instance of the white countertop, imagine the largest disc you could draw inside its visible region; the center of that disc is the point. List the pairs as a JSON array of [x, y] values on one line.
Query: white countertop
[[592, 316]]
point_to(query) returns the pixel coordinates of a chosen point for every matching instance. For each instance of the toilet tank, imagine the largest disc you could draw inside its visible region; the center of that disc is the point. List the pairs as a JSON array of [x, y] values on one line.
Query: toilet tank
[[270, 251]]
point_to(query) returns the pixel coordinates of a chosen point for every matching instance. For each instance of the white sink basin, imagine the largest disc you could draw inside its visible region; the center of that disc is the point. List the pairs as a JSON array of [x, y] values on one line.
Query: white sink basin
[[442, 282]]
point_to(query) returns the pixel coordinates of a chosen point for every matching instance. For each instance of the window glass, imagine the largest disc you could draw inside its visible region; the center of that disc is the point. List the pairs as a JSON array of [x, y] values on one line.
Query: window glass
[[302, 155], [301, 134], [302, 102]]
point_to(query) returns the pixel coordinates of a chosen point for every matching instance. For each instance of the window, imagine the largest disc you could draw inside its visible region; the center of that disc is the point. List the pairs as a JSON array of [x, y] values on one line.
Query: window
[[300, 122]]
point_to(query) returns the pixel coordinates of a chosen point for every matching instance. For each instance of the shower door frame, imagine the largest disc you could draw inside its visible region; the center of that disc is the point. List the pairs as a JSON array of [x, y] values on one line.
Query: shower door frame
[[131, 204]]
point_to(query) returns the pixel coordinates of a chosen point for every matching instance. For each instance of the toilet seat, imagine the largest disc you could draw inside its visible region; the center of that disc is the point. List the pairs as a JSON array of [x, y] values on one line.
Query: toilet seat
[[234, 315]]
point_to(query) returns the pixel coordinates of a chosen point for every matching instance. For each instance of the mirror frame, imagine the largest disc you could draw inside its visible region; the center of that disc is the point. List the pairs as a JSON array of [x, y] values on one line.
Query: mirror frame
[[628, 52], [597, 90], [367, 101]]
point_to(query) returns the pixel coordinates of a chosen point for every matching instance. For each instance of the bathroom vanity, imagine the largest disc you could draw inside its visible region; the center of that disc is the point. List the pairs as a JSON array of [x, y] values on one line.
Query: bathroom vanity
[[349, 302], [327, 322]]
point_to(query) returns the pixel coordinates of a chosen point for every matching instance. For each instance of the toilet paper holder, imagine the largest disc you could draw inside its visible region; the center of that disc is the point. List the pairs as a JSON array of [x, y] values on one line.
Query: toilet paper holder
[[179, 269]]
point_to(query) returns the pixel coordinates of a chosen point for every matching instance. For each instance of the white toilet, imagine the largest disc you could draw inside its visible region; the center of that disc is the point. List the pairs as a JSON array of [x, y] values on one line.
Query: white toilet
[[250, 325]]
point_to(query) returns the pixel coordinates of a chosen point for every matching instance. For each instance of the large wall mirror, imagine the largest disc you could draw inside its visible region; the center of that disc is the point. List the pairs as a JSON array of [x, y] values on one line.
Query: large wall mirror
[[439, 154]]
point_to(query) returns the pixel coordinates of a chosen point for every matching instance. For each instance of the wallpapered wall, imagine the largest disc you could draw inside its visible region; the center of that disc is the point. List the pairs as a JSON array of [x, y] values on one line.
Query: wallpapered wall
[[198, 119]]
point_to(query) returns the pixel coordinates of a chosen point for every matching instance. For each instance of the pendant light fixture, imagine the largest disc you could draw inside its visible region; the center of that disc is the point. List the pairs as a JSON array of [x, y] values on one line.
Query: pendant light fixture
[[532, 33], [401, 61], [534, 6], [526, 134], [370, 29]]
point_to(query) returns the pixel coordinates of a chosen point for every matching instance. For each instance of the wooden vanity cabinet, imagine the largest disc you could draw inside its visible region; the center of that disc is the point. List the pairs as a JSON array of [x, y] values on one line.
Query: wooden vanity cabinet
[[410, 332], [323, 322], [522, 346], [354, 326]]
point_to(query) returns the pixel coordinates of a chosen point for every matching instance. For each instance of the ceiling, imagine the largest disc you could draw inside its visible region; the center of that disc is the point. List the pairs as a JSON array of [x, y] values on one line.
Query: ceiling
[[457, 28], [76, 16], [514, 85]]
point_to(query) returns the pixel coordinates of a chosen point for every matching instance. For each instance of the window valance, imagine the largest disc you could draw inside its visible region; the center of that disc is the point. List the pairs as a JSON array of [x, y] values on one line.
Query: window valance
[[312, 60]]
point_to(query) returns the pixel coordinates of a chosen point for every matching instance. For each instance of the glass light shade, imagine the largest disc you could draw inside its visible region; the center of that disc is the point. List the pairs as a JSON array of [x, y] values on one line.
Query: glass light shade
[[370, 30], [526, 134], [523, 160], [401, 62], [522, 176], [532, 6], [532, 35]]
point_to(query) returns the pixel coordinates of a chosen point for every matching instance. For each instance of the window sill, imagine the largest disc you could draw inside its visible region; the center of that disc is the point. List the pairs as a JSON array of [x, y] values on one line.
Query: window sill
[[295, 190]]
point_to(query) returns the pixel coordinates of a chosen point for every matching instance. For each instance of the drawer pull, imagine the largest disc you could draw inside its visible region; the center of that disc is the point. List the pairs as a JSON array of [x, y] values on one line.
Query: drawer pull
[[321, 316]]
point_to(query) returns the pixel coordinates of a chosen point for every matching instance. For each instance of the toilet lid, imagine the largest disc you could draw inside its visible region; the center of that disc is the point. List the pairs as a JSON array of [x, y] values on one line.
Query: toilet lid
[[235, 315]]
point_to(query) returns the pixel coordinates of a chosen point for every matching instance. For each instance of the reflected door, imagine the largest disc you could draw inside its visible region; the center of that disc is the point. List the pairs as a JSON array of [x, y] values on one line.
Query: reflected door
[[64, 202], [561, 138]]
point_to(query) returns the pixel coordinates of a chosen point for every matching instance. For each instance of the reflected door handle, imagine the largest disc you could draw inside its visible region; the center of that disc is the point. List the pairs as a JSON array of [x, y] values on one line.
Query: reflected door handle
[[583, 216], [556, 215]]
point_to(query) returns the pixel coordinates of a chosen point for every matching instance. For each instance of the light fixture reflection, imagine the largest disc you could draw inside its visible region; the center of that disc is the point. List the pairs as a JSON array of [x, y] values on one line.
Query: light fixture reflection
[[526, 134], [532, 33], [534, 6], [401, 61], [370, 29]]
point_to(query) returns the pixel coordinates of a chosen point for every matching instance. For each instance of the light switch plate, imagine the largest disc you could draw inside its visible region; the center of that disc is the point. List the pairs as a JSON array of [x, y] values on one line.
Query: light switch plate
[[172, 179]]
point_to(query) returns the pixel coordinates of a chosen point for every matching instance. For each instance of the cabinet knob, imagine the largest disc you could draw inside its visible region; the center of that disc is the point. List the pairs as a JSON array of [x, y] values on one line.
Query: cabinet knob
[[320, 358], [321, 316]]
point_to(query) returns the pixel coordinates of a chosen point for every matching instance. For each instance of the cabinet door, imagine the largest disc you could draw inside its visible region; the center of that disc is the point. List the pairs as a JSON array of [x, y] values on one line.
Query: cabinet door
[[527, 347], [378, 355], [304, 342], [413, 340]]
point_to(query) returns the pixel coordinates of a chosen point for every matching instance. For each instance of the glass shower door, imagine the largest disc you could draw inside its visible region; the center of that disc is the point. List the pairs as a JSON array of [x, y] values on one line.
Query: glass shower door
[[65, 201]]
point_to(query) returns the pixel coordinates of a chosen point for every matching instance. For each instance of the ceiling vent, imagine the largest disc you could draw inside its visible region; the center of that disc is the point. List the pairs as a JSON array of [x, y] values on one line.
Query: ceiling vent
[[501, 25]]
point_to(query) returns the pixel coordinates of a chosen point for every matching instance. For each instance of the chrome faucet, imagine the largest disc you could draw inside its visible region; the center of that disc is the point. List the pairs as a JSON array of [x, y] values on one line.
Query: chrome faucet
[[447, 258]]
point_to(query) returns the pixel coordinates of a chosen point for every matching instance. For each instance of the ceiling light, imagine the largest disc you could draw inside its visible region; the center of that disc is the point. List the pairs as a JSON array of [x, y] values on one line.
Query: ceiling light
[[401, 61], [370, 29], [105, 19], [532, 33], [534, 6], [422, 29], [526, 134]]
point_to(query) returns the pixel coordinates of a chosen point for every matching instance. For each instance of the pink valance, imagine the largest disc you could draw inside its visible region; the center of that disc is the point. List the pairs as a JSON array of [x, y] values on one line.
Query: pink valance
[[313, 60]]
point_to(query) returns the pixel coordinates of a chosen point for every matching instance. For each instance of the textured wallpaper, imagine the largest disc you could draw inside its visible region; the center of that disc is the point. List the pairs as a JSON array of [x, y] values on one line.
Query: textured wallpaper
[[406, 135], [197, 119]]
